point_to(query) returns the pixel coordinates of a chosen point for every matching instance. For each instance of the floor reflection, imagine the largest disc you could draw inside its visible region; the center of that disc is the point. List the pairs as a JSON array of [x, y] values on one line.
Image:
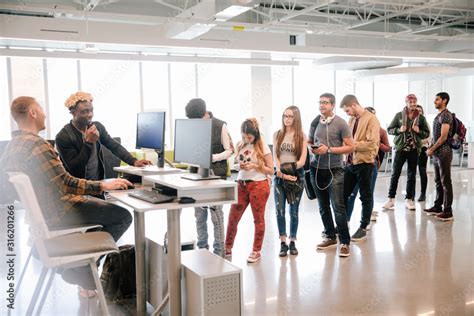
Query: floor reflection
[[411, 264]]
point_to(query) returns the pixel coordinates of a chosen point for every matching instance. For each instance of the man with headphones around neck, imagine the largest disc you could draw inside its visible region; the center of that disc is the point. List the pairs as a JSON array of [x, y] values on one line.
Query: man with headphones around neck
[[329, 140]]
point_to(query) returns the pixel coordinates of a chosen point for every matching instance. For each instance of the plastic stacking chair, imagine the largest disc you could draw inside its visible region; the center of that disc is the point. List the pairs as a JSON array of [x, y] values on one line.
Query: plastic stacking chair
[[56, 232], [59, 251]]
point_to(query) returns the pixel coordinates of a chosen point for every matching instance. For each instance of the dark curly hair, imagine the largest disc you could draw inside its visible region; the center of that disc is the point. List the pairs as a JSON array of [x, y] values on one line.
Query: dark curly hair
[[196, 108]]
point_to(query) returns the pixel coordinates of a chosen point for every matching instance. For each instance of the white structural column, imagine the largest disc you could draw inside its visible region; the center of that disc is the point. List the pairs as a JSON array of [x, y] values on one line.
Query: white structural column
[[261, 77]]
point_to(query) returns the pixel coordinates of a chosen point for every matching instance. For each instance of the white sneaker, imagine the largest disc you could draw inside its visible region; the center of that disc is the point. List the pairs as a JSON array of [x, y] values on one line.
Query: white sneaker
[[390, 204], [409, 204], [373, 217]]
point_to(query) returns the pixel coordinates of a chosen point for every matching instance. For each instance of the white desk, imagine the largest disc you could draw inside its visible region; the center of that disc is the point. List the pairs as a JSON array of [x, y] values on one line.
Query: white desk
[[149, 170], [208, 192]]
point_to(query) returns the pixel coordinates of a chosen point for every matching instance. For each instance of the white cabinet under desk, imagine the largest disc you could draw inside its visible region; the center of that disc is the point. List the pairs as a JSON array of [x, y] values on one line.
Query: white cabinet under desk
[[205, 192]]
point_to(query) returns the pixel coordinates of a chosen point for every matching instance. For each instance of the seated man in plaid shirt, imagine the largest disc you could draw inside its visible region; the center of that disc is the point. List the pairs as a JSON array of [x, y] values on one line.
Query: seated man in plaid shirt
[[61, 196]]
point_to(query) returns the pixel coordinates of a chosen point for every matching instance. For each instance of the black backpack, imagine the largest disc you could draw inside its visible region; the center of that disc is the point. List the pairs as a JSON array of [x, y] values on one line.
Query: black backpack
[[118, 275]]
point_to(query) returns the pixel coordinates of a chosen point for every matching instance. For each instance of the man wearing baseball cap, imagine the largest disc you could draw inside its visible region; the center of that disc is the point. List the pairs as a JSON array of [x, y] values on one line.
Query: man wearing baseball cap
[[409, 128]]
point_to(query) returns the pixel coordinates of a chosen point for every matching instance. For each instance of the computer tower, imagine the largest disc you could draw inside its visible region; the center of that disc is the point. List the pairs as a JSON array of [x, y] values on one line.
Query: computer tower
[[212, 285], [157, 269]]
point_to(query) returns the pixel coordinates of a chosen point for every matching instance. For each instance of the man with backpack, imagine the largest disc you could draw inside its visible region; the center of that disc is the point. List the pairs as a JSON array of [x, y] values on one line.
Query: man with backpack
[[442, 156]]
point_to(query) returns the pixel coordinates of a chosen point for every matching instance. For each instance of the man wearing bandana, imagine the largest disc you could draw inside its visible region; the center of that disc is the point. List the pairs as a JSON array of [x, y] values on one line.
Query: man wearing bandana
[[409, 128]]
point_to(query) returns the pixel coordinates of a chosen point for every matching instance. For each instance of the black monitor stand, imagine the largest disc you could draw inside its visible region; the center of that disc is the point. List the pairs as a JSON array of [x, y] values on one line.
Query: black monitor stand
[[203, 174], [161, 158]]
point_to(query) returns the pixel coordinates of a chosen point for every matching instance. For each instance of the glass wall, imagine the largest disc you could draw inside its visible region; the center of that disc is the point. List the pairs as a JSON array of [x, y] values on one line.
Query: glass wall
[[4, 102], [183, 87], [156, 95], [27, 80], [120, 92], [227, 92], [115, 87], [389, 98], [62, 82], [282, 93], [309, 84]]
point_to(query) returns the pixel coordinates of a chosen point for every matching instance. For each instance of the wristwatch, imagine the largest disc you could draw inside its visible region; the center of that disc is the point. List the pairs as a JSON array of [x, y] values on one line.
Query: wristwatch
[[329, 151]]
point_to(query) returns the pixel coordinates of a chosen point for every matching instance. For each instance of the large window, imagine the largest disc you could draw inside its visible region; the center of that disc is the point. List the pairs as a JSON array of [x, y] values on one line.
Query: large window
[[156, 93], [116, 91], [282, 93], [310, 83], [227, 92], [344, 81], [183, 87], [62, 82], [4, 104], [364, 92], [389, 98], [28, 80]]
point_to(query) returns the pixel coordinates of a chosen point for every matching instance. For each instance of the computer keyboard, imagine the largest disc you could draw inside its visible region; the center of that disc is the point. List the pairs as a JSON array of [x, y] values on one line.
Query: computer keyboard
[[151, 196]]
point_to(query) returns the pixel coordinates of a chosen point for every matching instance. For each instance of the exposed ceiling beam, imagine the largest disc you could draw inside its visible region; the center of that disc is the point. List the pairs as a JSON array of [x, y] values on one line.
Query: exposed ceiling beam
[[435, 27], [398, 13], [169, 5], [320, 4], [91, 5]]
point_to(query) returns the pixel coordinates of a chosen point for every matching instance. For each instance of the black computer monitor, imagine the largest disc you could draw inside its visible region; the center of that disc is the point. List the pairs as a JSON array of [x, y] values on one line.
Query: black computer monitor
[[192, 145], [151, 133]]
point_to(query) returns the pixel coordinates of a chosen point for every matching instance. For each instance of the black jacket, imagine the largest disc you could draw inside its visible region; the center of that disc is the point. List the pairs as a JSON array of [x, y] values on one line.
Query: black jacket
[[75, 152]]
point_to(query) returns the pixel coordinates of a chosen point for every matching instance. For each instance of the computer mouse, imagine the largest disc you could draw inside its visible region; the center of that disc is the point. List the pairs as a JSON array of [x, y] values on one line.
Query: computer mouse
[[130, 187], [186, 200]]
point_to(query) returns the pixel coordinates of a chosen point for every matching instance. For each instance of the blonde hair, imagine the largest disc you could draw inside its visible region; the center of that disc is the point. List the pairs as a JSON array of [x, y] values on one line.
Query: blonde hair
[[77, 97], [297, 126]]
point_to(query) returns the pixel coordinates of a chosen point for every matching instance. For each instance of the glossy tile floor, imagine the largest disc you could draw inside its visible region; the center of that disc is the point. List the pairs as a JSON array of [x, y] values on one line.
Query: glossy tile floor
[[411, 264]]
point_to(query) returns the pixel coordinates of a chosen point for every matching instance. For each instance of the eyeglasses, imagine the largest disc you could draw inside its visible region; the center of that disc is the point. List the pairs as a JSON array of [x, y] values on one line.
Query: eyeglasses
[[325, 102], [288, 116]]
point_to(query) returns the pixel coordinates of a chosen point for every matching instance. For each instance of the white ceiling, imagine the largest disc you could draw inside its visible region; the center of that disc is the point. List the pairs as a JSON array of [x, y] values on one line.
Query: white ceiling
[[422, 31]]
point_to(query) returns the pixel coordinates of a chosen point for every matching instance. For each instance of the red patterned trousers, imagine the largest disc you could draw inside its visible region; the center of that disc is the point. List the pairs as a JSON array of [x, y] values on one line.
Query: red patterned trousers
[[256, 193]]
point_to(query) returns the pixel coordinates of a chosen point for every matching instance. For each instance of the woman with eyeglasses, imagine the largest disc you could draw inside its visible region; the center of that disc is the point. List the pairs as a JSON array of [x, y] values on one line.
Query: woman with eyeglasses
[[289, 153], [255, 165]]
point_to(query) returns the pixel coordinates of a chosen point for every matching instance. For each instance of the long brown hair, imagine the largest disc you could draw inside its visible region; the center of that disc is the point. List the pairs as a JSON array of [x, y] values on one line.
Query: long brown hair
[[250, 126], [298, 128]]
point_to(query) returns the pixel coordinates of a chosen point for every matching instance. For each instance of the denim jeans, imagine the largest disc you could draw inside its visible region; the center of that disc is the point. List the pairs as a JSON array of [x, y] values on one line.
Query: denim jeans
[[422, 162], [280, 206], [217, 218], [331, 193], [398, 161], [114, 220], [444, 186], [352, 197], [361, 175]]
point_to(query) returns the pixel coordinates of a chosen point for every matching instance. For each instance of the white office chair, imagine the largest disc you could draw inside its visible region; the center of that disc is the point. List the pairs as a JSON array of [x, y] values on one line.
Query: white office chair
[[464, 151], [57, 232], [65, 251], [389, 161]]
